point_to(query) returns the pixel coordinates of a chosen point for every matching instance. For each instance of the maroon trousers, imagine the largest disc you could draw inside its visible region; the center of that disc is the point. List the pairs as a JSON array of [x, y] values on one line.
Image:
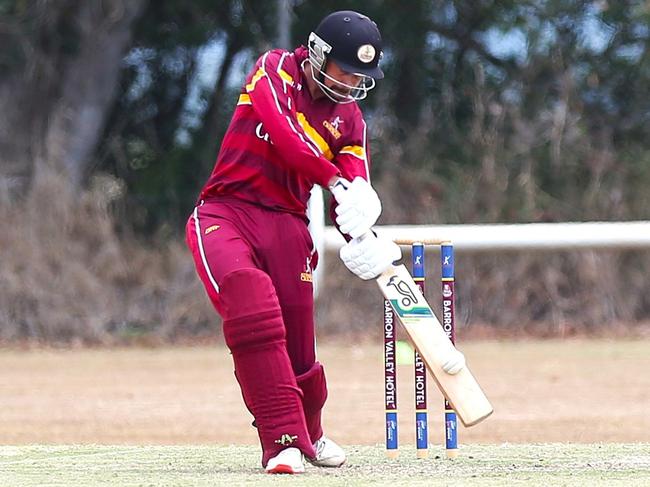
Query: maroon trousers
[[256, 265]]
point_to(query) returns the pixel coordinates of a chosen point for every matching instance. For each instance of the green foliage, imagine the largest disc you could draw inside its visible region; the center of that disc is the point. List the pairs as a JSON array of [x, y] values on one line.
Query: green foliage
[[491, 111], [508, 111], [143, 143]]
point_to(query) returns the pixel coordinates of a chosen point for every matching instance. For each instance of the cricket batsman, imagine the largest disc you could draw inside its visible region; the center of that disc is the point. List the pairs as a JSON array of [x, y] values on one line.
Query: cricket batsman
[[296, 124]]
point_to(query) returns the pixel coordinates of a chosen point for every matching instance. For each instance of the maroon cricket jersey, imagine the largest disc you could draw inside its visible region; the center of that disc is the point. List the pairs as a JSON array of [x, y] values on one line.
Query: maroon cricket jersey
[[280, 141]]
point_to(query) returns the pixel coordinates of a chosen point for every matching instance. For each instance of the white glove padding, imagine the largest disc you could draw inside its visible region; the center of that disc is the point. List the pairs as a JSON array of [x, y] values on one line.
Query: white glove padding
[[454, 362], [369, 256], [358, 207]]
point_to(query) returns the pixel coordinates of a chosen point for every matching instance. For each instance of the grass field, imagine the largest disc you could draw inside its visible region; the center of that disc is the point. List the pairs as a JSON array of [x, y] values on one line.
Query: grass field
[[567, 412], [508, 464]]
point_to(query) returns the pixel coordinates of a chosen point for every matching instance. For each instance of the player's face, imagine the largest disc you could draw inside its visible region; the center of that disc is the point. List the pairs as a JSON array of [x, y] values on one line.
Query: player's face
[[343, 82]]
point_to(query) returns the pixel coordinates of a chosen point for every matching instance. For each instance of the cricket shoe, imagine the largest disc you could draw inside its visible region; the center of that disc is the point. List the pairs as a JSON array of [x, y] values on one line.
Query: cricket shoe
[[328, 454], [288, 461]]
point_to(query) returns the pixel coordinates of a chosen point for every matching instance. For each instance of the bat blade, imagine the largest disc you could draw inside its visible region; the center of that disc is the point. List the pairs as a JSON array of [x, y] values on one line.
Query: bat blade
[[425, 332]]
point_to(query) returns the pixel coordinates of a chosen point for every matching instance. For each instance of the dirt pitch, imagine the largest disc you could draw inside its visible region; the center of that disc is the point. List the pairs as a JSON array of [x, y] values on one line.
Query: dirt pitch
[[582, 391]]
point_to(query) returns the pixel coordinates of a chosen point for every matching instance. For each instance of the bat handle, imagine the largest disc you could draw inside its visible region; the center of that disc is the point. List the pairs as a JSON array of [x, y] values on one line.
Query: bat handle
[[339, 188]]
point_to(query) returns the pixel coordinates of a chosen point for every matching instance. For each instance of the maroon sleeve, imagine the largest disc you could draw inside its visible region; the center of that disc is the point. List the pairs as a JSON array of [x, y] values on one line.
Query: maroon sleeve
[[269, 88], [353, 160]]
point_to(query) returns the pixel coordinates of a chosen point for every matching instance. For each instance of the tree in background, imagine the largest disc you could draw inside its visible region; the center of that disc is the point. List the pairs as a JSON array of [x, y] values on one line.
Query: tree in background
[[60, 76], [515, 104], [490, 111], [536, 109]]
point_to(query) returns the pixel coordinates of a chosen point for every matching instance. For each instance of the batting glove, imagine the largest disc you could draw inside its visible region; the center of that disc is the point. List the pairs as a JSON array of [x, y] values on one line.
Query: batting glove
[[369, 256], [358, 206]]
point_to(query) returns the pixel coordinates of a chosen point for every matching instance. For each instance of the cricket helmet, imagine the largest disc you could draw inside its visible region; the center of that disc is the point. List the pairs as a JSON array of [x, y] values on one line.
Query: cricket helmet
[[353, 41]]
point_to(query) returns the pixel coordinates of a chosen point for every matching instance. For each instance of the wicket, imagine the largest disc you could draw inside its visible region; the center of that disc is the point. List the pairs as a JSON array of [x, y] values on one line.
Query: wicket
[[390, 356]]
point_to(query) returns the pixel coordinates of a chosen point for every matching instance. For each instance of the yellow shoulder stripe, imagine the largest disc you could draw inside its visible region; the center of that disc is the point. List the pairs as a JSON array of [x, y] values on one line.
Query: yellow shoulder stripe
[[315, 137], [256, 77], [286, 76], [244, 99], [355, 150]]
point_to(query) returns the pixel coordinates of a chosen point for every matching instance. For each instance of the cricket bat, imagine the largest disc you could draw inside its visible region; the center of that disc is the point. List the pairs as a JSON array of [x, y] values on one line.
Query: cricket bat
[[423, 328]]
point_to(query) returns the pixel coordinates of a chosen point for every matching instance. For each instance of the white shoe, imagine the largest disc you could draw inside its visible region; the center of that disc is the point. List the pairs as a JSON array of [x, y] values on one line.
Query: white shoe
[[288, 460], [328, 454]]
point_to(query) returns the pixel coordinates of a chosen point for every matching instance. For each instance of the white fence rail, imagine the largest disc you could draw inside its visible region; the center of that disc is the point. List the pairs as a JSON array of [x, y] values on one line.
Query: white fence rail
[[527, 236]]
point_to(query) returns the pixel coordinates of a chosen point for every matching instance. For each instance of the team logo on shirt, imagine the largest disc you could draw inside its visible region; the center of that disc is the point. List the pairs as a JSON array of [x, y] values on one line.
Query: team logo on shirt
[[306, 276], [211, 229], [333, 127]]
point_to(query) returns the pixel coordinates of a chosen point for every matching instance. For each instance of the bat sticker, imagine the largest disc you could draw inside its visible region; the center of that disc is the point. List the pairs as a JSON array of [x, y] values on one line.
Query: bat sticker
[[408, 296]]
